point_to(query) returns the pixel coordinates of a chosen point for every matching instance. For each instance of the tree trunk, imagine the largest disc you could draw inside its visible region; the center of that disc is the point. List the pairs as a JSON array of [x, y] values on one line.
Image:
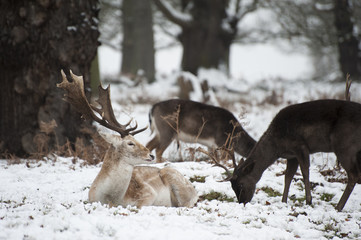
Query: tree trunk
[[138, 42], [95, 76], [208, 30], [206, 43], [38, 38], [348, 44]]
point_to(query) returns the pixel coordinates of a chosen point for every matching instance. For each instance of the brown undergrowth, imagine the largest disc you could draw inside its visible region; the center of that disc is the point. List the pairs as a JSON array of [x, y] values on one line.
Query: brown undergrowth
[[92, 152]]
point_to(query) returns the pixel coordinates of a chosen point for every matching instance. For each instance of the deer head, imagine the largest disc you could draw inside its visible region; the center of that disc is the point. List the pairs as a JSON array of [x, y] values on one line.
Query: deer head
[[242, 184], [131, 151]]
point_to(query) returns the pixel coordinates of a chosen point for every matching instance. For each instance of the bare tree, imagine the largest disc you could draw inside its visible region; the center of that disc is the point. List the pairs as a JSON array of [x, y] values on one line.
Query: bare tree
[[348, 39], [38, 38], [110, 24], [138, 40], [328, 28], [208, 28], [127, 26]]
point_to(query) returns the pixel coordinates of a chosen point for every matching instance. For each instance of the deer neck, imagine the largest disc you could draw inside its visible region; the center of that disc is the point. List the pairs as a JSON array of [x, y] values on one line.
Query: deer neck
[[113, 179], [244, 143], [263, 155]]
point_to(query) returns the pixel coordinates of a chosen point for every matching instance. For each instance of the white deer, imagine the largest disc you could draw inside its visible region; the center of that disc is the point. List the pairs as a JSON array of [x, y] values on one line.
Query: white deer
[[120, 181]]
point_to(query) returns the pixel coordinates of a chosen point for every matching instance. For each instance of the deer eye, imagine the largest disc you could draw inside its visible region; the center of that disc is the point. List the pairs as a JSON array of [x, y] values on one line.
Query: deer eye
[[131, 144]]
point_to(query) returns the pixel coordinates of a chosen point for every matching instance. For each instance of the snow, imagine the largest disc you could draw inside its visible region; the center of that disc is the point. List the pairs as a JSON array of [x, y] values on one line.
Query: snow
[[50, 199], [262, 61]]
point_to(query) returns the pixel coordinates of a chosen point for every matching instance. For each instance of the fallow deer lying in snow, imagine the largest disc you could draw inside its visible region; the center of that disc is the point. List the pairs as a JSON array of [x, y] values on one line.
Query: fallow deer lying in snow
[[119, 181], [297, 131], [195, 122]]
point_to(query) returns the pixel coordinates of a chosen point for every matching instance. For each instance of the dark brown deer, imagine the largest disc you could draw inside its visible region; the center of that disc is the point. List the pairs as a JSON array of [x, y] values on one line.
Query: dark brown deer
[[119, 181], [195, 122], [297, 131]]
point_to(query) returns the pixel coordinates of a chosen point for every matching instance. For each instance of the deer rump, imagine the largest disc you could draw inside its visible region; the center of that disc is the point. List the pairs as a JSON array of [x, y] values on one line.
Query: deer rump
[[195, 122]]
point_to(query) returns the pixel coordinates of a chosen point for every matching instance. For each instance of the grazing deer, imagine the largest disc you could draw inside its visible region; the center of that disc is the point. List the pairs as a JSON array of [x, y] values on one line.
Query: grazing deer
[[119, 181], [297, 131], [195, 122]]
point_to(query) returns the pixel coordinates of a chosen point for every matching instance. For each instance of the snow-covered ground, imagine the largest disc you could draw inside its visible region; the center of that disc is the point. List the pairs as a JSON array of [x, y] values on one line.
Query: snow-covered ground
[[48, 199]]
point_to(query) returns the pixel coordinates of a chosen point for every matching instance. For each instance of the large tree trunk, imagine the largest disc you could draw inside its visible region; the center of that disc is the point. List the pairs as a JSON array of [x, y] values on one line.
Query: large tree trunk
[[38, 38], [205, 42], [348, 44], [138, 42]]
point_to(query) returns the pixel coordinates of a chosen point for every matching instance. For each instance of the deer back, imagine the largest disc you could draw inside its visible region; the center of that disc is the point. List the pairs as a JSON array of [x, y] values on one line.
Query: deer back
[[321, 125]]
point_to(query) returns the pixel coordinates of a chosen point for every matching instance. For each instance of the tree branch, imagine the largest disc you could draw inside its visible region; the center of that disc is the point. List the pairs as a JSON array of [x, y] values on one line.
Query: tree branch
[[250, 8], [179, 18]]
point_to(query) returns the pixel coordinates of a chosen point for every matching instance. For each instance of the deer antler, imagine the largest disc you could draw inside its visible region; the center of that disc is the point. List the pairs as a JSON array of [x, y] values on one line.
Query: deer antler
[[213, 156], [227, 148], [75, 95]]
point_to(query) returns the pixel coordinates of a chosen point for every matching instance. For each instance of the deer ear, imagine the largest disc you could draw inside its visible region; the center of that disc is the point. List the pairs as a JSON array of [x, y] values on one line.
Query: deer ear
[[247, 168], [110, 138]]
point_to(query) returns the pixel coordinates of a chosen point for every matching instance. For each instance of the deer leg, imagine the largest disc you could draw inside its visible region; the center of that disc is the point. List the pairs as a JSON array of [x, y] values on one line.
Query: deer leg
[[351, 168], [153, 143], [183, 193], [304, 161], [292, 165], [160, 149], [148, 198], [160, 144], [158, 155], [349, 187]]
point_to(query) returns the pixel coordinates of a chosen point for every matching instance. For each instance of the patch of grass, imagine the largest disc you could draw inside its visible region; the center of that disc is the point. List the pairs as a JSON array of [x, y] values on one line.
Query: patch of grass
[[301, 201], [271, 192], [216, 196], [299, 185], [116, 212], [327, 197], [331, 227], [12, 204], [225, 175], [66, 205], [247, 221], [200, 179], [296, 214]]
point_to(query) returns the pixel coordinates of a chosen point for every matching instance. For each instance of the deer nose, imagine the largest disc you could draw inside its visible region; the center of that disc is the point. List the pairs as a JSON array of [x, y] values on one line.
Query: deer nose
[[151, 156]]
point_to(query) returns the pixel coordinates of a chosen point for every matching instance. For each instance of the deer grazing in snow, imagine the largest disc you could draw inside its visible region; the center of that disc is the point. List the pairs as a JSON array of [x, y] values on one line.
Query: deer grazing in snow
[[195, 122], [297, 131], [119, 181]]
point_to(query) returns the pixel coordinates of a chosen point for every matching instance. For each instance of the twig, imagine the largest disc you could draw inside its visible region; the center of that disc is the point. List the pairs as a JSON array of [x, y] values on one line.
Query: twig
[[348, 86]]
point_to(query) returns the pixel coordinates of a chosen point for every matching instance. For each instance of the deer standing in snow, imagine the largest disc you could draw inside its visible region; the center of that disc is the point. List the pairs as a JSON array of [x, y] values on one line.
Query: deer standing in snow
[[297, 131], [195, 122], [119, 181]]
